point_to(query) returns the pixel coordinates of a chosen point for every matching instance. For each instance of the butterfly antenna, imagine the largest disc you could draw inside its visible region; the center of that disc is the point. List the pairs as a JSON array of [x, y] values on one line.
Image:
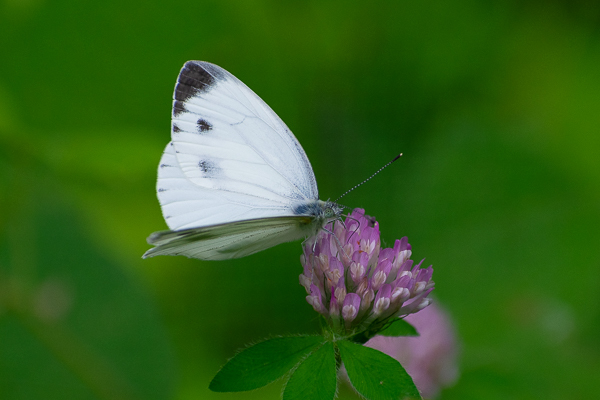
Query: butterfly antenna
[[369, 178]]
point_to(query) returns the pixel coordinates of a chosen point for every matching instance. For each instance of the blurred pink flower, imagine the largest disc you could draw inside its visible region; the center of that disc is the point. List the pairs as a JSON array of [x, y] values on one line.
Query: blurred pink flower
[[431, 359]]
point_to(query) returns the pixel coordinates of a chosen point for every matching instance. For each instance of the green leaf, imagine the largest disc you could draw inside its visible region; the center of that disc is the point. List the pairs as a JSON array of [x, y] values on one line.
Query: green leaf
[[376, 375], [315, 378], [263, 363], [399, 328]]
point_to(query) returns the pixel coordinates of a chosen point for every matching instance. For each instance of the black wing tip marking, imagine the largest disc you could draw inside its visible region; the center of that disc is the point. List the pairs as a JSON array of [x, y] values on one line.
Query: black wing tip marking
[[193, 79], [196, 77]]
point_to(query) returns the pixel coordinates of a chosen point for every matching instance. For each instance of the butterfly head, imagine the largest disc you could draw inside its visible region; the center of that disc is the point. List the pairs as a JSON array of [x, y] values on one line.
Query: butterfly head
[[331, 210]]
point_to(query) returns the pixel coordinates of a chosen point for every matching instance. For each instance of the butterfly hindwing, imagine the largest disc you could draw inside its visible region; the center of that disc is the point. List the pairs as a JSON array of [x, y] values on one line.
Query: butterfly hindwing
[[231, 240]]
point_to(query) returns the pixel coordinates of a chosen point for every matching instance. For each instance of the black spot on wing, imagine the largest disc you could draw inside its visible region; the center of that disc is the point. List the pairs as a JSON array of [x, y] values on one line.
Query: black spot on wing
[[176, 129], [205, 166], [203, 125], [208, 168], [161, 190]]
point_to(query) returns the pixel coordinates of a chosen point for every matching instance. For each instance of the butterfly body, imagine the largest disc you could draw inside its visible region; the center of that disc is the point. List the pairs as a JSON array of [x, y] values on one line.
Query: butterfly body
[[233, 180]]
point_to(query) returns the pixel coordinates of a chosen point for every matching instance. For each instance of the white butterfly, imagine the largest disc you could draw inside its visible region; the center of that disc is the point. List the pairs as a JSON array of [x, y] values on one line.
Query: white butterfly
[[233, 180]]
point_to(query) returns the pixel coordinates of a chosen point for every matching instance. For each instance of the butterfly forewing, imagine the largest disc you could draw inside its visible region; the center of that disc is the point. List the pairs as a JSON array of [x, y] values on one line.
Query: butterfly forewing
[[239, 159]]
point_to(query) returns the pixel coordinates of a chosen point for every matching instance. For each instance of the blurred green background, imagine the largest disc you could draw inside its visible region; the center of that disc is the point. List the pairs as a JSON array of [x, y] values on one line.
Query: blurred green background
[[495, 107]]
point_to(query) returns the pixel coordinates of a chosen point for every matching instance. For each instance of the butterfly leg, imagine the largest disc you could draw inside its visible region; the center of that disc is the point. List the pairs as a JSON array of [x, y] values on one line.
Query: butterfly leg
[[353, 232], [340, 246]]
